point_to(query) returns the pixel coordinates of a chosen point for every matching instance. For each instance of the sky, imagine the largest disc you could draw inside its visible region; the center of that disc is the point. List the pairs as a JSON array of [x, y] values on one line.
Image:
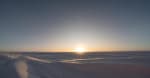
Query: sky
[[62, 25]]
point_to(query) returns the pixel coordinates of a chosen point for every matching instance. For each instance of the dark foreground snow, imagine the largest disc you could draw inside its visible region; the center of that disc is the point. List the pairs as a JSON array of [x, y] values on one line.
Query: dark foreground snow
[[30, 67]]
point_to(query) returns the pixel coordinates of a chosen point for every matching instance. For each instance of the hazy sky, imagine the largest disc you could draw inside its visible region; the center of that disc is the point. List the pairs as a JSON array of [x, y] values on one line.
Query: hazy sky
[[62, 25]]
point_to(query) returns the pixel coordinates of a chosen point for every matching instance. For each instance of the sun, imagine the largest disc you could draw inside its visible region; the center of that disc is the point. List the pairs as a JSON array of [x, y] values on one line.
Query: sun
[[79, 50]]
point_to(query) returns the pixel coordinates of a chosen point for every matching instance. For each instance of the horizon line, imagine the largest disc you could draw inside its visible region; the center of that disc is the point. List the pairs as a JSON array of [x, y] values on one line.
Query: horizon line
[[71, 51]]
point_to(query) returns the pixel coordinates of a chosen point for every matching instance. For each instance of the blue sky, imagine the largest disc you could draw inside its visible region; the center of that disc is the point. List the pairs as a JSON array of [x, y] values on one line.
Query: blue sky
[[98, 25]]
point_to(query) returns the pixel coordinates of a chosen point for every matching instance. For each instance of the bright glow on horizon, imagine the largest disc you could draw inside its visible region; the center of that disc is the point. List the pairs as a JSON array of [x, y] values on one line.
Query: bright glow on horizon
[[79, 50]]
